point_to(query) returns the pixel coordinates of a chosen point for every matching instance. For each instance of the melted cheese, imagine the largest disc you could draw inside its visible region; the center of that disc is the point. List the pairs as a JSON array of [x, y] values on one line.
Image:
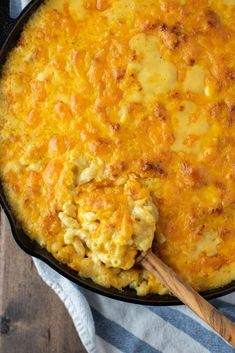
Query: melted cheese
[[184, 126], [155, 74], [124, 10], [194, 80], [76, 7], [208, 243], [229, 2], [119, 10]]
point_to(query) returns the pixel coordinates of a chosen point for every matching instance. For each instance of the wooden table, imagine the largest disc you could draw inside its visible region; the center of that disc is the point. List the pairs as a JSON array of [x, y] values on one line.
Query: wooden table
[[32, 318]]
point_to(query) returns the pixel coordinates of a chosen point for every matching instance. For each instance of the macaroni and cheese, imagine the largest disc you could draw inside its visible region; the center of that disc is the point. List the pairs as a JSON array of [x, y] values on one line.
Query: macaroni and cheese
[[117, 123]]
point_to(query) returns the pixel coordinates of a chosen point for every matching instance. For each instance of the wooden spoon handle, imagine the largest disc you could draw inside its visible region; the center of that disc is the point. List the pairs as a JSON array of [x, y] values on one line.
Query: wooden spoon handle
[[189, 296]]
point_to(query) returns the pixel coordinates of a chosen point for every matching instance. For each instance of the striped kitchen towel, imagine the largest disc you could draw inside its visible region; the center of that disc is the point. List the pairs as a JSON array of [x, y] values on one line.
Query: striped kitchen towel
[[108, 326]]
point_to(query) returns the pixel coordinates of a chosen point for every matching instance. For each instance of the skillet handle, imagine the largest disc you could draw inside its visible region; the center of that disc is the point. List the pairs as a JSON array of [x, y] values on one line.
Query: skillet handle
[[6, 22]]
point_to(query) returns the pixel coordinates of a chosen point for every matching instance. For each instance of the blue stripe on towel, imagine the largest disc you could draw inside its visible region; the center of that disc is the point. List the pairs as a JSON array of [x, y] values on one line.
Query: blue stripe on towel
[[192, 328], [15, 8], [118, 336], [222, 304], [228, 309]]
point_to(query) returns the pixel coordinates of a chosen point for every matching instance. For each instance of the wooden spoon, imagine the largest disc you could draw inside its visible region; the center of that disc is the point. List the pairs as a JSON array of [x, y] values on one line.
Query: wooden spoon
[[188, 296]]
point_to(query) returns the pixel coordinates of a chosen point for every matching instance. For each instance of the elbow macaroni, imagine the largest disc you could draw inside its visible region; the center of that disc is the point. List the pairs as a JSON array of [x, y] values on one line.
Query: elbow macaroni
[[145, 216]]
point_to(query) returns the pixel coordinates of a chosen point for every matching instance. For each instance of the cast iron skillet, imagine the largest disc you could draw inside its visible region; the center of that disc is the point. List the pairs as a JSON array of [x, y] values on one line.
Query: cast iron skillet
[[9, 33]]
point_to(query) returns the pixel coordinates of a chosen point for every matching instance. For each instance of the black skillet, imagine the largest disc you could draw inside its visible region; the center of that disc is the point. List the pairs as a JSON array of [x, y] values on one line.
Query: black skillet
[[10, 30]]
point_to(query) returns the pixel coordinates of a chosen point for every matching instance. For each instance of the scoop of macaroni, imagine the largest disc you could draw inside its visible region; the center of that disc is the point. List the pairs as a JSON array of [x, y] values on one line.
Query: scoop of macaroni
[[112, 224]]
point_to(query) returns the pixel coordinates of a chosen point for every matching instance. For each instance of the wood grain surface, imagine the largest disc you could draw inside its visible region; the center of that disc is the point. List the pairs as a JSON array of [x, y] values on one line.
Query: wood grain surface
[[32, 318]]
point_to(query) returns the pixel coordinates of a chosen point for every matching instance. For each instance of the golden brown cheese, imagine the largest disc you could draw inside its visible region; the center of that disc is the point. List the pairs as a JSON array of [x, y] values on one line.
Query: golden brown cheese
[[112, 111]]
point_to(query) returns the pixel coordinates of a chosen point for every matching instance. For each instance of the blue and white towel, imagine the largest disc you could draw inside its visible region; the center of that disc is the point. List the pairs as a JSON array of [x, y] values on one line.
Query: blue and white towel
[[108, 326]]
